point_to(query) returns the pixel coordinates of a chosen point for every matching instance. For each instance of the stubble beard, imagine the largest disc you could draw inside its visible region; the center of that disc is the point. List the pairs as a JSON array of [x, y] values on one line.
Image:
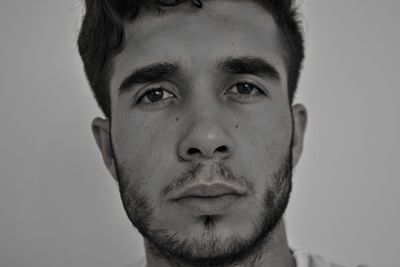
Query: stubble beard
[[210, 251]]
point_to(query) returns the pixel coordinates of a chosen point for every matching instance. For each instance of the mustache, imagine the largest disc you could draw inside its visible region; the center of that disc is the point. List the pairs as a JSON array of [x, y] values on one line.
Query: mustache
[[222, 171]]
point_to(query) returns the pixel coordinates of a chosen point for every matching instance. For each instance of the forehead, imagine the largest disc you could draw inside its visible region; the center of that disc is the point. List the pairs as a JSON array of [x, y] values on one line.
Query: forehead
[[197, 38]]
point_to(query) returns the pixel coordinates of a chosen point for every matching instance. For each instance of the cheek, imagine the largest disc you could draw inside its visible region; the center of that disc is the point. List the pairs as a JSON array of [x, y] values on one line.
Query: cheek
[[146, 154], [265, 136], [262, 145]]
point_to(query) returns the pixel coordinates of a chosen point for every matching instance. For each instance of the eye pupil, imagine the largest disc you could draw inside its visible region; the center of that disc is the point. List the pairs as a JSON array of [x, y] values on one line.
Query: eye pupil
[[244, 88], [155, 95]]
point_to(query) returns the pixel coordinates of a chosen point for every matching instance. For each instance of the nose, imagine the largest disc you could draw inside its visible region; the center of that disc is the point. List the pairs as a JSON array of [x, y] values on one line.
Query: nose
[[205, 140]]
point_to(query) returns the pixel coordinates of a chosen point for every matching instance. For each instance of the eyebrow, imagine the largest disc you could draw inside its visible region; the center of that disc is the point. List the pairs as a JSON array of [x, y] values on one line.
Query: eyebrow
[[150, 73], [234, 65], [249, 65]]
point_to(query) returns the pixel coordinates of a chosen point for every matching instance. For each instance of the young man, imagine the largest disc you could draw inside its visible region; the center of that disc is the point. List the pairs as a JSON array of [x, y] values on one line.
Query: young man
[[201, 133]]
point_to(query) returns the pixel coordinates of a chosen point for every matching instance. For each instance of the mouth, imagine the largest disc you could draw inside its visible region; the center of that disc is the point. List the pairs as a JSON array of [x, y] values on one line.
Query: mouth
[[209, 205], [209, 191], [211, 199]]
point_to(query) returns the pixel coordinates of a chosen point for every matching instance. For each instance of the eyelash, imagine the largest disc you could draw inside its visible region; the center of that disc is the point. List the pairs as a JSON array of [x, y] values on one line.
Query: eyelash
[[260, 91], [157, 103], [162, 88]]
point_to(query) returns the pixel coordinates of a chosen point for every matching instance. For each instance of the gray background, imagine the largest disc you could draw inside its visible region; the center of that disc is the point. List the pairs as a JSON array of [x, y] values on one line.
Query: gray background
[[59, 206]]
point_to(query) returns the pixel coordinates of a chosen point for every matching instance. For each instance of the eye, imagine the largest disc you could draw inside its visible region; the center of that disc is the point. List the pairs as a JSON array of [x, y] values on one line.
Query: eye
[[154, 95], [171, 3], [245, 89], [168, 3]]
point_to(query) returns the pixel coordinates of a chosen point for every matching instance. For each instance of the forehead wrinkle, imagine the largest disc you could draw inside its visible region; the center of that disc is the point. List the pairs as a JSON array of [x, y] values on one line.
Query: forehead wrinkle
[[222, 12], [179, 37]]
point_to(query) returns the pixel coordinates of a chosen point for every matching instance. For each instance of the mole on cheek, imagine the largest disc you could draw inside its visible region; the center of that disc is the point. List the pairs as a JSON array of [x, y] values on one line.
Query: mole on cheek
[[177, 119], [237, 126]]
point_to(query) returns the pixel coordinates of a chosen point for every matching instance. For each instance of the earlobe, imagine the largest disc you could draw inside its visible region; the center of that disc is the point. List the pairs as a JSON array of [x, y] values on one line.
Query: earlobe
[[299, 123], [101, 132]]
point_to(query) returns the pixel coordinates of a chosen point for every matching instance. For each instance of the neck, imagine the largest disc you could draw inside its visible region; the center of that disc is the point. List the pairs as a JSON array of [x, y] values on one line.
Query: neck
[[274, 253]]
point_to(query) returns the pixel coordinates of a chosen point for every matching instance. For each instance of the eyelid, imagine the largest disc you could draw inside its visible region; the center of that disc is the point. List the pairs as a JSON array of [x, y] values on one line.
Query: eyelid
[[164, 86], [172, 3], [253, 82], [140, 98]]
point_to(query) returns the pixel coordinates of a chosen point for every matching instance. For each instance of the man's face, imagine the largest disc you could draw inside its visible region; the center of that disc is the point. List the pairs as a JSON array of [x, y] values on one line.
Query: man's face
[[201, 128]]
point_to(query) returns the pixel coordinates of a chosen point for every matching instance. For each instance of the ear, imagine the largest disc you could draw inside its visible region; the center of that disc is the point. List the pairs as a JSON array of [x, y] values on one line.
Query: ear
[[101, 132], [299, 123]]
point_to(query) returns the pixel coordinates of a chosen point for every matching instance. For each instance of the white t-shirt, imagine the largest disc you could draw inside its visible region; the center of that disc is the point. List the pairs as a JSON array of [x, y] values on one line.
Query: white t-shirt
[[302, 258]]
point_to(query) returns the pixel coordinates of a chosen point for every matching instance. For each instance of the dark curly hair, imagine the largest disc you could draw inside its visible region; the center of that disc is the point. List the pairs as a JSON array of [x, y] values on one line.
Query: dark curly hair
[[102, 36]]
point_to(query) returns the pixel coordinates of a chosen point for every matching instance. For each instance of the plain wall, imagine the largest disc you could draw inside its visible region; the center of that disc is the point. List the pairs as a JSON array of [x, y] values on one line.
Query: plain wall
[[59, 207]]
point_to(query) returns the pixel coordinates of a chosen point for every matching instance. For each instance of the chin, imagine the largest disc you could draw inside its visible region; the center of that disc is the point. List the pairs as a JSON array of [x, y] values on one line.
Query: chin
[[211, 241]]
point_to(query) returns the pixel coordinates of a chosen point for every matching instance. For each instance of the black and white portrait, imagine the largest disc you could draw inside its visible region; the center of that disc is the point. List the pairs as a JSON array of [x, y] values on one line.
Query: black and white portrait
[[199, 133]]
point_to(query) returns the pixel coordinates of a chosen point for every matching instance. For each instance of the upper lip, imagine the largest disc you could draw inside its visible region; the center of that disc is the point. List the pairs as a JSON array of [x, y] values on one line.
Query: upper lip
[[209, 190]]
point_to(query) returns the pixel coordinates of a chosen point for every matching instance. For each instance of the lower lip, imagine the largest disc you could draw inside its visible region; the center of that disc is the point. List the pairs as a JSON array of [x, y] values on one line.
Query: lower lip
[[210, 205]]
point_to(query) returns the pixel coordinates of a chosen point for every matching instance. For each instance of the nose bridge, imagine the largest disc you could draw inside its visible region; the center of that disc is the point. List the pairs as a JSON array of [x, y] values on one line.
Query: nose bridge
[[206, 136], [203, 108], [203, 104]]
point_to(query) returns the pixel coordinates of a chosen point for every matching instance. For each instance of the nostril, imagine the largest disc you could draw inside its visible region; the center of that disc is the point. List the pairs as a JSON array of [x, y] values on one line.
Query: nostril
[[192, 151], [222, 149]]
